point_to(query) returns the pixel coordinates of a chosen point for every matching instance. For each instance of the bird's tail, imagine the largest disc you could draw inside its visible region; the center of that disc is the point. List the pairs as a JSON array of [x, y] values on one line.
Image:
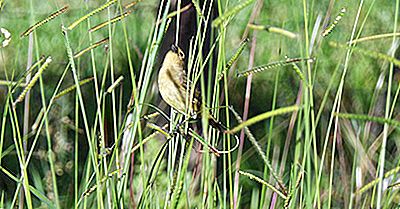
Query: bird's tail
[[216, 124]]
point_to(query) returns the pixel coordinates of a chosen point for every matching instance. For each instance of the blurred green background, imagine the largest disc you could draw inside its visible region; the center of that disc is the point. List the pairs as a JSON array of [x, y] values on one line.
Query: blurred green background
[[363, 92]]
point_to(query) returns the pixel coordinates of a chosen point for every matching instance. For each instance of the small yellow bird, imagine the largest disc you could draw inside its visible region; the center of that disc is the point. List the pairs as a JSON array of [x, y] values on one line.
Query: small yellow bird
[[172, 84]]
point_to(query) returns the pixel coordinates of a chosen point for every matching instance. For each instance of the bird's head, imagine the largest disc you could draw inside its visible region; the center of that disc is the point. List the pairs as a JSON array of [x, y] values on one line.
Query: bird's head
[[176, 53], [174, 57]]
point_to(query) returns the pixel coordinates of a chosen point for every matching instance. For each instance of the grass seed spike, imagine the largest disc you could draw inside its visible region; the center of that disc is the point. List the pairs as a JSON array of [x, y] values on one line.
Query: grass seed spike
[[99, 9], [33, 80], [230, 12], [370, 53], [273, 65], [83, 51], [234, 58], [42, 22], [129, 5], [23, 75], [113, 20], [330, 28], [73, 87]]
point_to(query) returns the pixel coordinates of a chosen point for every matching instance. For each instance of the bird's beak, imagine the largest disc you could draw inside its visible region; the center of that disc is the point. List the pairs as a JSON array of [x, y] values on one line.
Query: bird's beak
[[174, 48]]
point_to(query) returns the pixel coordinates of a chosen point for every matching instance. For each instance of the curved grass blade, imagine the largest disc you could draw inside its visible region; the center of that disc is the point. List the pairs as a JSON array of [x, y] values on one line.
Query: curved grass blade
[[259, 180], [332, 26], [274, 65], [370, 118], [273, 29], [38, 24], [373, 54], [113, 20], [32, 82], [263, 116], [71, 88], [230, 12], [115, 84], [233, 58], [101, 8], [95, 45]]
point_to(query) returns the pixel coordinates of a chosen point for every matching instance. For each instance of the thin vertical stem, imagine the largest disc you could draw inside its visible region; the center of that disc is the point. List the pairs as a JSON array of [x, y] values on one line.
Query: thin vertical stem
[[387, 115]]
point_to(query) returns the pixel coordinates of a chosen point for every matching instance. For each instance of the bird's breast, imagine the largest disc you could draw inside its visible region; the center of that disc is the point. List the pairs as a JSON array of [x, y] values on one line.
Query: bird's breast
[[171, 89]]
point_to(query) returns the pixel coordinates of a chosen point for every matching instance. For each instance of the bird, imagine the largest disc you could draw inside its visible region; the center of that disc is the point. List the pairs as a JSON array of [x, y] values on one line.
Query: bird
[[172, 85]]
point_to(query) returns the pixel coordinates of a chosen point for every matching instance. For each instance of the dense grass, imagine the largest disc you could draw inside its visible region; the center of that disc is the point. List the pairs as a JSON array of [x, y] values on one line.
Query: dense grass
[[319, 132]]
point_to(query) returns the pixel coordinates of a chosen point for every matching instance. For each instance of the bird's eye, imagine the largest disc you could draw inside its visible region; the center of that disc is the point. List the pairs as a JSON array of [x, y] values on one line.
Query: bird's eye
[[181, 55]]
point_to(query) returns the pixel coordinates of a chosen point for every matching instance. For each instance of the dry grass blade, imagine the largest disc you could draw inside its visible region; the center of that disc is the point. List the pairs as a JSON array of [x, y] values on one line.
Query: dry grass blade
[[34, 79], [113, 20], [95, 45], [38, 24], [101, 8]]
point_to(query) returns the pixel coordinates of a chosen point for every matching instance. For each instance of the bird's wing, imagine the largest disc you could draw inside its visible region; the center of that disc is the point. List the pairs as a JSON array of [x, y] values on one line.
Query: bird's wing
[[184, 81]]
